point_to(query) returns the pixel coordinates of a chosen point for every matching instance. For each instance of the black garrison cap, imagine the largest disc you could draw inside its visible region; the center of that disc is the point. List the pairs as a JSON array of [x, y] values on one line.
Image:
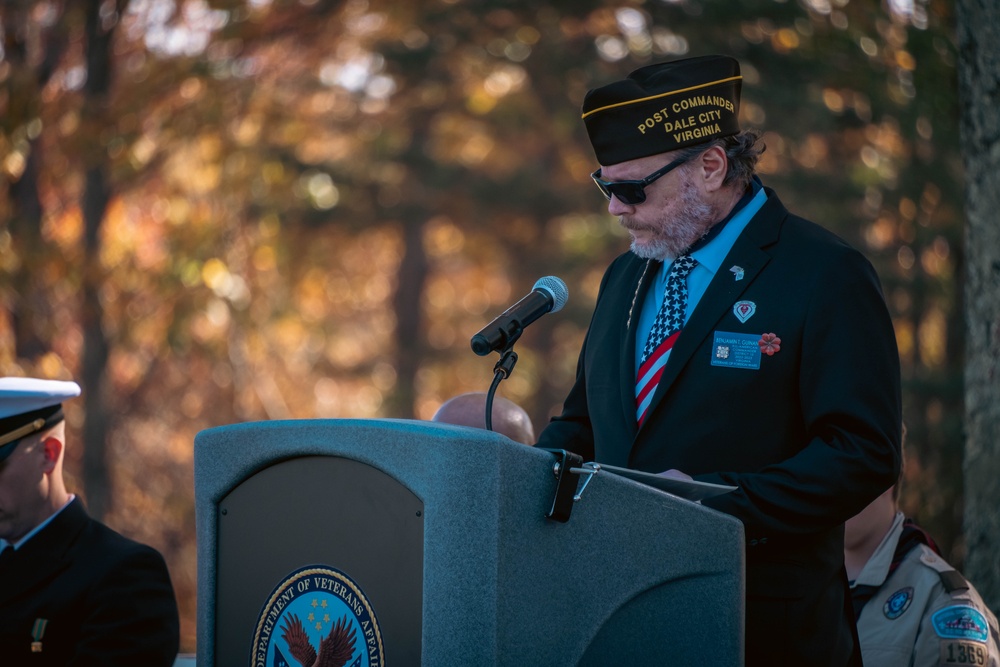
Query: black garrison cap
[[663, 107]]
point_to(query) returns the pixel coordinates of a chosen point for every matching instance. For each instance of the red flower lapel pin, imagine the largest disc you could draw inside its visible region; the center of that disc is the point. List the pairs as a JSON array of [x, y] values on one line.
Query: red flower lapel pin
[[769, 344]]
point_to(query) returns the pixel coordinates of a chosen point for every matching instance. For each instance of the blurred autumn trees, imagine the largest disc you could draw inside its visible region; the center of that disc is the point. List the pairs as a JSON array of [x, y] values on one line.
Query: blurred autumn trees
[[216, 211]]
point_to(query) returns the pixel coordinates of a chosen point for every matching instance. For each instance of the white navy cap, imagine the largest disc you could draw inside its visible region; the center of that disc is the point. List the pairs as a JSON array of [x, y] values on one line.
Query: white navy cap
[[28, 405]]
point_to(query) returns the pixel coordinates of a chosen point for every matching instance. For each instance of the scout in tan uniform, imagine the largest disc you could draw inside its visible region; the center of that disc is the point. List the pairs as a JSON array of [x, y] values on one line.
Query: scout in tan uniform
[[912, 607]]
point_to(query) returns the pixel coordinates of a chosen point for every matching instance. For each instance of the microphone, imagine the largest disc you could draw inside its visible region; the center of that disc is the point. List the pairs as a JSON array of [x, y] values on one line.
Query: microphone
[[549, 294]]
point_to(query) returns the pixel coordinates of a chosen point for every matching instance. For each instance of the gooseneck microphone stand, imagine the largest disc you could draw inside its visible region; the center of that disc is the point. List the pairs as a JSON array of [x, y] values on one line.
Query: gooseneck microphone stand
[[501, 371]]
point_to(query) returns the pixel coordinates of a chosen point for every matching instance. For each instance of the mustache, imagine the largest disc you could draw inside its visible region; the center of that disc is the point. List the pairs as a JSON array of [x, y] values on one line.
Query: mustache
[[630, 224]]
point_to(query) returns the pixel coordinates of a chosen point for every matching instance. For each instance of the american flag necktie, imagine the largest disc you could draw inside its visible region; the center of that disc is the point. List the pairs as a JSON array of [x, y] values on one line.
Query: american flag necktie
[[666, 329]]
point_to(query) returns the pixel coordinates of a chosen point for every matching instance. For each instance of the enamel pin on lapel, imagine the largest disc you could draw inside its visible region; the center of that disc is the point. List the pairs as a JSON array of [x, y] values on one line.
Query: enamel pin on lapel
[[744, 310], [737, 272], [769, 344]]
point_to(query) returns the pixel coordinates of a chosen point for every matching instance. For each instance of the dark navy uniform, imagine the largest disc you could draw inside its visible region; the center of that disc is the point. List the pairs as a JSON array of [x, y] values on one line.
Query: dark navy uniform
[[78, 593]]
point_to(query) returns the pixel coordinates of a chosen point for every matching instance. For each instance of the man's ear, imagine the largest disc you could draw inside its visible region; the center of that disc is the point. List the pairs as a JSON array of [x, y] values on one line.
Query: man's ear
[[713, 166], [52, 449]]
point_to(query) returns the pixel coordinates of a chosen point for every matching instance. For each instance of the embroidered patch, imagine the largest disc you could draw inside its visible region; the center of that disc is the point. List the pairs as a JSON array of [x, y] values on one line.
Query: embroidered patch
[[744, 310], [736, 350], [963, 653], [960, 622], [897, 603]]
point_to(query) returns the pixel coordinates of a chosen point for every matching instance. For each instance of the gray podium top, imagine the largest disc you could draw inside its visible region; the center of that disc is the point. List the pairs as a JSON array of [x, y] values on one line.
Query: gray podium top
[[502, 584]]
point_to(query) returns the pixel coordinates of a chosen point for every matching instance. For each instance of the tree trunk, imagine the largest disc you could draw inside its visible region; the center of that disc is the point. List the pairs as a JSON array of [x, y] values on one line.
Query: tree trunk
[[97, 193], [979, 88], [32, 68], [411, 278]]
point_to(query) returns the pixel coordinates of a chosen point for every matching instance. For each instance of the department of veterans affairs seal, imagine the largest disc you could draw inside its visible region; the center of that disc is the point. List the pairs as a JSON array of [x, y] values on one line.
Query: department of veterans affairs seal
[[317, 617]]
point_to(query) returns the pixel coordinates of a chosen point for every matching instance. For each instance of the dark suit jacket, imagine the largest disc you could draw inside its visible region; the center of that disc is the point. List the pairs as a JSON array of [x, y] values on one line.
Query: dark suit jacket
[[108, 600], [810, 438]]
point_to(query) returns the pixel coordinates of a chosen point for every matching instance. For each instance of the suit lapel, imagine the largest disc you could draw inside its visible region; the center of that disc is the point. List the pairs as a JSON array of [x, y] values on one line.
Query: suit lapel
[[44, 555], [723, 291], [643, 280]]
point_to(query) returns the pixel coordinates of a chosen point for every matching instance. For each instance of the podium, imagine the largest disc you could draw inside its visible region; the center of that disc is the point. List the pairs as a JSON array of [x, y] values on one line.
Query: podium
[[397, 542]]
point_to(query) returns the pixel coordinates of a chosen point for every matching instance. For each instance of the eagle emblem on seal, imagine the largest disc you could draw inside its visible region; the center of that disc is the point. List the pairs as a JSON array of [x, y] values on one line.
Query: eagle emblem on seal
[[334, 650]]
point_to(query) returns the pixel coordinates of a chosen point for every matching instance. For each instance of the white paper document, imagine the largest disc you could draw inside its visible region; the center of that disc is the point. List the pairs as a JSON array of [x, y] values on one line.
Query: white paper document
[[682, 488]]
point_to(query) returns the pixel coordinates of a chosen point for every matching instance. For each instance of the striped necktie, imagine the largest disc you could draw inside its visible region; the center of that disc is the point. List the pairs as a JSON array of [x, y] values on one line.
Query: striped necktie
[[666, 329]]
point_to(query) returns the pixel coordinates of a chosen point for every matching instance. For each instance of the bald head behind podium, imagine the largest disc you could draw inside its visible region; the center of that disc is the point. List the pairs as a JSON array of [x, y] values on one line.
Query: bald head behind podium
[[469, 409]]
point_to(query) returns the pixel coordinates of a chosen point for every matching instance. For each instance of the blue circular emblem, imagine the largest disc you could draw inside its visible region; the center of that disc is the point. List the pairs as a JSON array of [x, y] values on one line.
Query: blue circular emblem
[[317, 615], [897, 603]]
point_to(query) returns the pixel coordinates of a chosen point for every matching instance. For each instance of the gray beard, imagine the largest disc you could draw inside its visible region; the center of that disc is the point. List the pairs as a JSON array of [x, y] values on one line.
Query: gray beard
[[680, 229]]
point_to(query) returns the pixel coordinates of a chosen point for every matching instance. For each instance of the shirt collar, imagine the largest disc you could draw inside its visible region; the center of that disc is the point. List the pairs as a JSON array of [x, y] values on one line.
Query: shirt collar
[[876, 570], [37, 529], [711, 249]]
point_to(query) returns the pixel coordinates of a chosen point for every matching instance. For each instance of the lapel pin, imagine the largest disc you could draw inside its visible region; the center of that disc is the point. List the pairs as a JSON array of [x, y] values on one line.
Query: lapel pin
[[737, 272], [744, 310], [769, 344]]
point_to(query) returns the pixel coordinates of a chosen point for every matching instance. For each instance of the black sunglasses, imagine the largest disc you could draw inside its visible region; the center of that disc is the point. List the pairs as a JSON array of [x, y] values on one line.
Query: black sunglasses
[[632, 192]]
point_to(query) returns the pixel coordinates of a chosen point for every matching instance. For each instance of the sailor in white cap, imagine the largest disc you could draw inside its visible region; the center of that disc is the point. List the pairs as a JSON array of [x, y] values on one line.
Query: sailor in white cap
[[72, 591], [28, 405]]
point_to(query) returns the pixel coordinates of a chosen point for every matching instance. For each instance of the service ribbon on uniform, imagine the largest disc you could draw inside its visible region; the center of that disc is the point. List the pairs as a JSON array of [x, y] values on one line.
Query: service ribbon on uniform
[[37, 632]]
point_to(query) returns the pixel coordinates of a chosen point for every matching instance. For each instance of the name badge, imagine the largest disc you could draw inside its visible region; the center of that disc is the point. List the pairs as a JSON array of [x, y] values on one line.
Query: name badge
[[736, 350]]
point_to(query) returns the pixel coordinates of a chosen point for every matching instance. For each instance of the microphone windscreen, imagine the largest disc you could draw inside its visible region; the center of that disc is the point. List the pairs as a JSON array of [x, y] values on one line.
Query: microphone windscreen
[[555, 287]]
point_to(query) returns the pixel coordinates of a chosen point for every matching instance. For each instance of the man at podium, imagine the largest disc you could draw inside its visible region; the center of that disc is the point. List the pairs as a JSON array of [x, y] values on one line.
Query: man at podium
[[738, 344]]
